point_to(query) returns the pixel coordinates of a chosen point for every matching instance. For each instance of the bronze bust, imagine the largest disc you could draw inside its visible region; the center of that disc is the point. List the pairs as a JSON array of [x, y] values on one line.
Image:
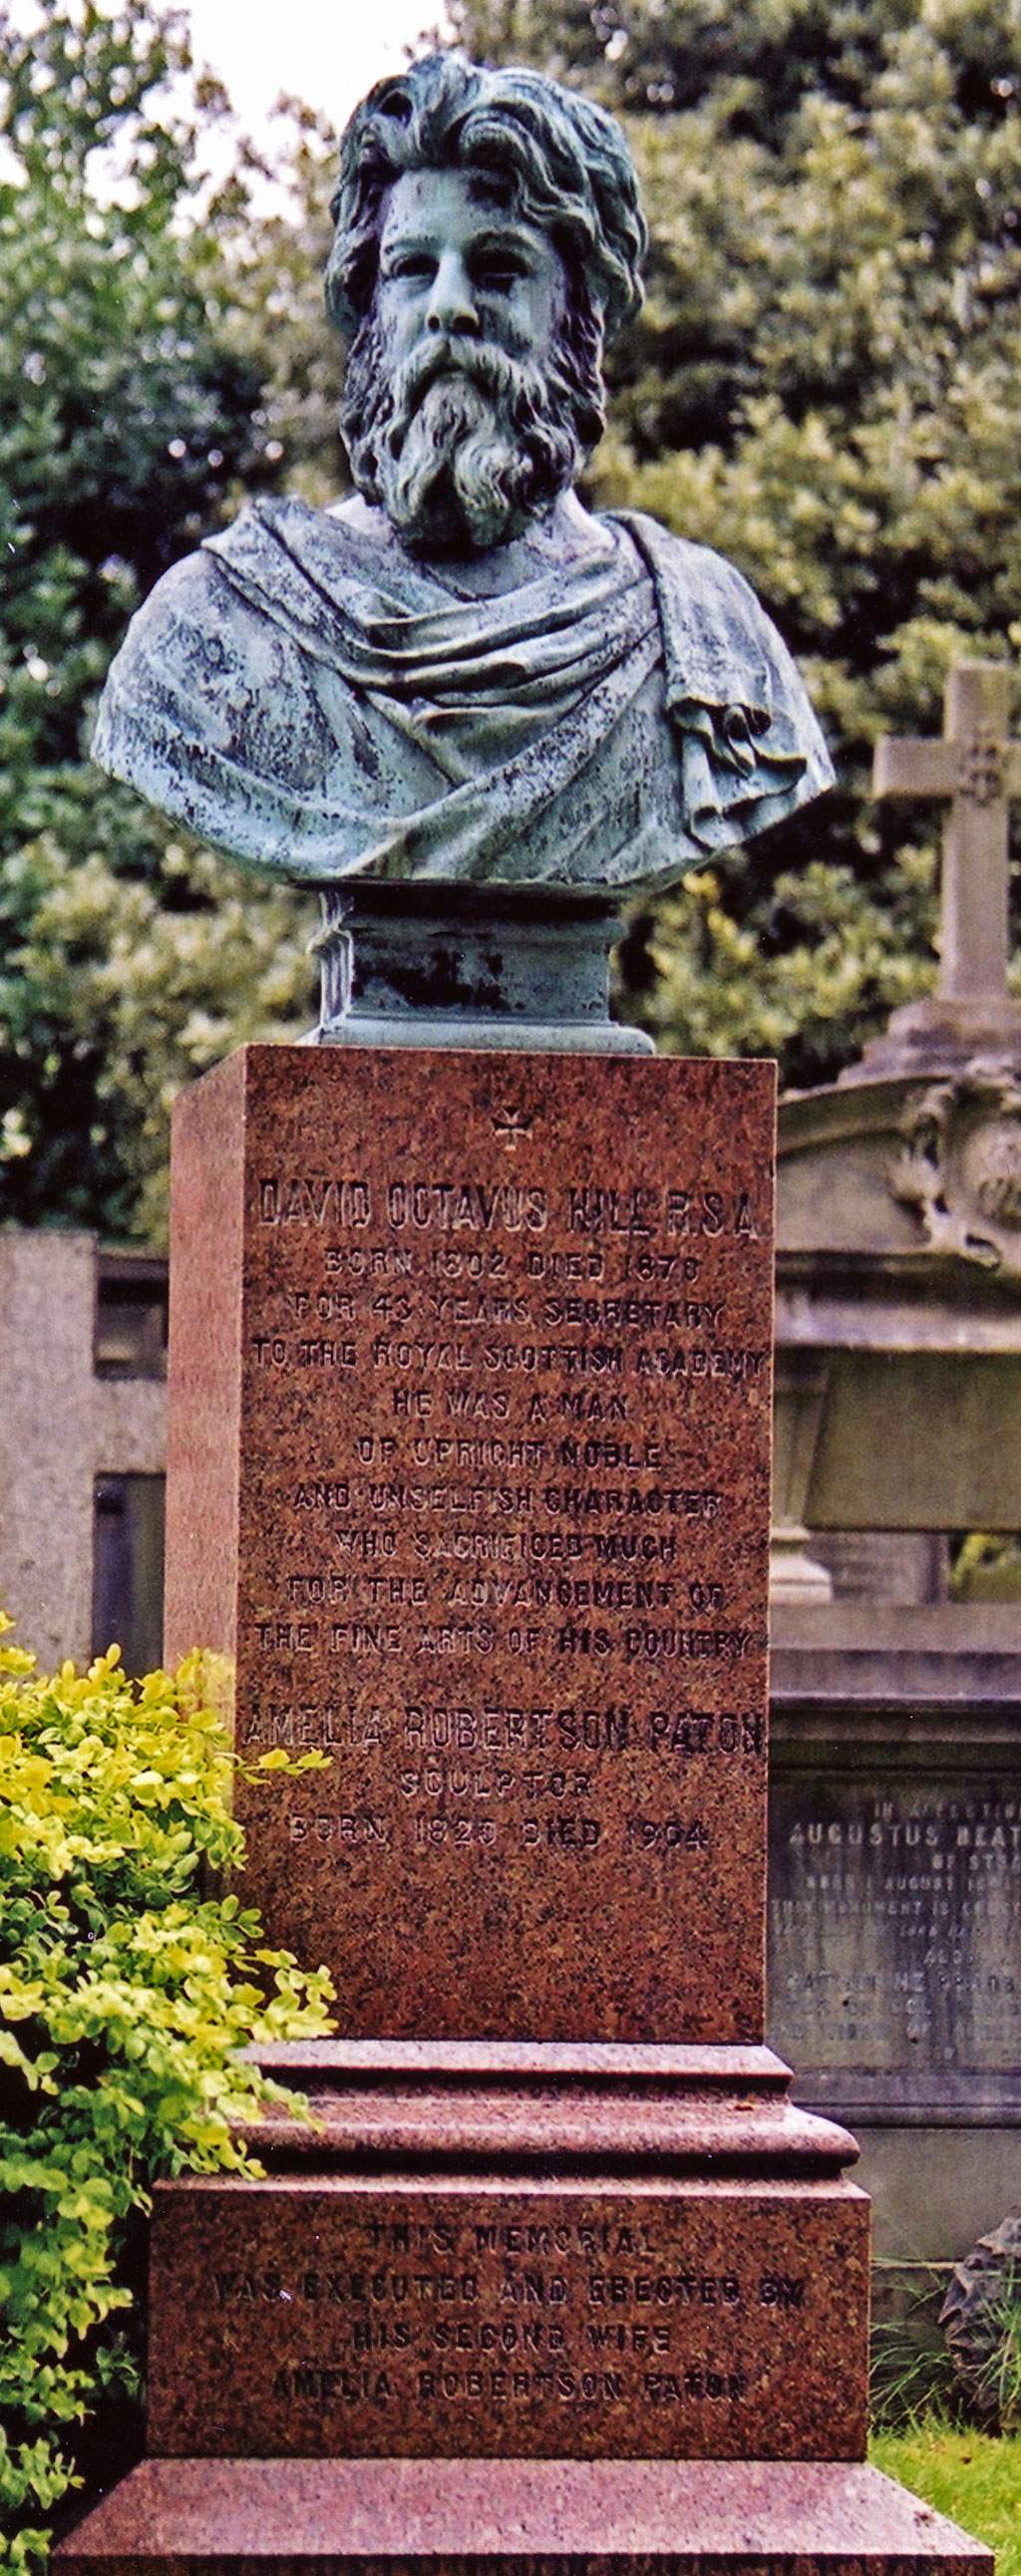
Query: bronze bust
[[459, 675]]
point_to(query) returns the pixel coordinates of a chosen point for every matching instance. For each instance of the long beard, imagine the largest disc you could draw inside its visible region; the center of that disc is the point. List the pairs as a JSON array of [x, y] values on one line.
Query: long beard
[[463, 445]]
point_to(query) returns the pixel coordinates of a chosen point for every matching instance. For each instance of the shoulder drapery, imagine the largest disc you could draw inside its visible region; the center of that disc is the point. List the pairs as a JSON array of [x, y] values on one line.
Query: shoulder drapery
[[321, 706]]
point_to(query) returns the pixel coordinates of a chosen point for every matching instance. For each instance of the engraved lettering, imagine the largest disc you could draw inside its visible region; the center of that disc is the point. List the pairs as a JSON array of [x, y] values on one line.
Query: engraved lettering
[[317, 1201]]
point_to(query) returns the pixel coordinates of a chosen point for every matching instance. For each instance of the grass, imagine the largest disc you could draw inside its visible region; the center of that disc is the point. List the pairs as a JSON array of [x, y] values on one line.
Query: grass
[[974, 2478]]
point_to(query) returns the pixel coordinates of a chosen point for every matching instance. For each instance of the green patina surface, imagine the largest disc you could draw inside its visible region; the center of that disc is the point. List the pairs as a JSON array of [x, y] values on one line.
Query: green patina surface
[[460, 675]]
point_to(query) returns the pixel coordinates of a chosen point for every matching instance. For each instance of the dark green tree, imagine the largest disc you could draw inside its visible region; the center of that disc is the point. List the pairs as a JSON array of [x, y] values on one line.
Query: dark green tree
[[279, 320], [823, 384], [826, 385], [131, 412]]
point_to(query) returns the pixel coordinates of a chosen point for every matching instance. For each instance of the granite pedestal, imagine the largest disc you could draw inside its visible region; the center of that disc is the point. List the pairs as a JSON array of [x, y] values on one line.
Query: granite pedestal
[[468, 1486], [469, 1476]]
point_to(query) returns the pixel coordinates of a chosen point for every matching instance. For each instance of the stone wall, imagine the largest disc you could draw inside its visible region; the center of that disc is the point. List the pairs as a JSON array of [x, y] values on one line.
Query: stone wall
[[82, 1367]]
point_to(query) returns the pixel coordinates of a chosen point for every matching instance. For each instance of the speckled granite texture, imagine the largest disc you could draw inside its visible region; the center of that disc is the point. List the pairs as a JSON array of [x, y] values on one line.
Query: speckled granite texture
[[469, 1470], [470, 1486], [535, 2517], [318, 2315], [655, 2259]]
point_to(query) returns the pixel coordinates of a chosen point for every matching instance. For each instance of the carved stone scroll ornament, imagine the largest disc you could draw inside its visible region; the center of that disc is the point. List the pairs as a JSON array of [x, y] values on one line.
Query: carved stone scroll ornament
[[961, 1167]]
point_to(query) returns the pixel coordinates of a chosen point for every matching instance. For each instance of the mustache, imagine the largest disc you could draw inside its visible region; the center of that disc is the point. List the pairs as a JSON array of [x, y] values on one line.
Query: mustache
[[508, 381], [501, 432], [455, 467]]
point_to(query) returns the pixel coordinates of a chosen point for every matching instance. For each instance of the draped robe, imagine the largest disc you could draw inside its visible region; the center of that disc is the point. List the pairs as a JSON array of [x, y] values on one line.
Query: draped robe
[[323, 706]]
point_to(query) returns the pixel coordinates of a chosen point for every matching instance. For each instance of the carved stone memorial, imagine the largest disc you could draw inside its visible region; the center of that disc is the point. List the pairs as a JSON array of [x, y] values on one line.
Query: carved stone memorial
[[498, 1462], [469, 1477], [895, 1888], [895, 1772]]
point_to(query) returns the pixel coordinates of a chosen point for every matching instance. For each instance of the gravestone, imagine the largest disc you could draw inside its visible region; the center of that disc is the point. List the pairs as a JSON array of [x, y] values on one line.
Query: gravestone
[[82, 1362], [976, 773], [499, 1462], [896, 1896], [469, 1475], [895, 1861], [553, 2212]]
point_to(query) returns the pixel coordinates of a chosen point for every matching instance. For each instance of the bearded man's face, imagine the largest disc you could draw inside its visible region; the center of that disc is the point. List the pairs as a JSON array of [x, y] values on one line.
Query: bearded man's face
[[461, 405]]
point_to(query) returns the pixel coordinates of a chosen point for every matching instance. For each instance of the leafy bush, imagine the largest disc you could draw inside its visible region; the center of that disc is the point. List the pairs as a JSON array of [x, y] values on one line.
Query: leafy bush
[[987, 1567], [127, 1992]]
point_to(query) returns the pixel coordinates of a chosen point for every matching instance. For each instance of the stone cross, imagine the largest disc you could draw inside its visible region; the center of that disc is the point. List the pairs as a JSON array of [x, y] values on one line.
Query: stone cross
[[977, 769]]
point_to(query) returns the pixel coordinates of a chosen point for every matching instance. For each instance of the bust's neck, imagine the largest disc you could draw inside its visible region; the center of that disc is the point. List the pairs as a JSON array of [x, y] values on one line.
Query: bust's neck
[[565, 535]]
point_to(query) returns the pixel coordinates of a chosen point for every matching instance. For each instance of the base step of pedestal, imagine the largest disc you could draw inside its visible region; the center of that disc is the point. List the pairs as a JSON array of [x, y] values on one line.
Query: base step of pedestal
[[532, 2517]]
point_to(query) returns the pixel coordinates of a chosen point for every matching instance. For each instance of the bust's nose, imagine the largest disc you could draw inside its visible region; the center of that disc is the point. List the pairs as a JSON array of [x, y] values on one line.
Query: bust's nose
[[452, 305]]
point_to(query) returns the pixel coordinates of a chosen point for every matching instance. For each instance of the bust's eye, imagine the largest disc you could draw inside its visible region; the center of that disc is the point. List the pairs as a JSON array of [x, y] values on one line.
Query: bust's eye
[[499, 270], [411, 263]]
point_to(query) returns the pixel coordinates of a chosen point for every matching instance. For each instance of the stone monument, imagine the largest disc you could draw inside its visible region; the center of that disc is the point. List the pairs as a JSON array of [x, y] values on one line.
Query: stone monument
[[468, 1477], [895, 1774], [976, 773]]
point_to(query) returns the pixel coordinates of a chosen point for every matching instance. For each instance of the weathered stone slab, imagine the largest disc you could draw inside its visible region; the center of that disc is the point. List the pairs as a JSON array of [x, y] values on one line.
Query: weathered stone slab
[[469, 1476], [895, 1910], [68, 1420], [342, 2315], [537, 2517]]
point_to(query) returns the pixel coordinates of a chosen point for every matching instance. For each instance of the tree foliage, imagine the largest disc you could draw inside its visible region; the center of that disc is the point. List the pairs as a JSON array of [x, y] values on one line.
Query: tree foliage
[[131, 414], [825, 385]]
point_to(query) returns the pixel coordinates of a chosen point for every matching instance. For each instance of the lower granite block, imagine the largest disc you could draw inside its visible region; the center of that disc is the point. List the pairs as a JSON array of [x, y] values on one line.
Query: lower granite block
[[532, 2517], [469, 2318]]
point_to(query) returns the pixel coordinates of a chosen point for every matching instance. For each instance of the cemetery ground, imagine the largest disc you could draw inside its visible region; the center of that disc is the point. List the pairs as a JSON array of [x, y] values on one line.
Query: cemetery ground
[[974, 2477]]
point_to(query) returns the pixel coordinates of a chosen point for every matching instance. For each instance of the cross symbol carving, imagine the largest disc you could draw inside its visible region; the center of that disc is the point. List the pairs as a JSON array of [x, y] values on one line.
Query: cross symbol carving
[[510, 1125], [976, 770]]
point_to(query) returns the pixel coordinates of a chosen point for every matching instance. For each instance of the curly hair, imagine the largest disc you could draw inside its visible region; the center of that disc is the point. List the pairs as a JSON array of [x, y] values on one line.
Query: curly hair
[[559, 161]]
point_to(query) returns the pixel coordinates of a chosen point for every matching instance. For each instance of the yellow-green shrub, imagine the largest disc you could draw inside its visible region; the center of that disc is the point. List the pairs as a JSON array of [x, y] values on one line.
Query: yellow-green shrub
[[127, 1993]]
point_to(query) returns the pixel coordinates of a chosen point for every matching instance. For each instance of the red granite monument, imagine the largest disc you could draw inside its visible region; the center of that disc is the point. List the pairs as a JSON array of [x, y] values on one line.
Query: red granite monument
[[474, 1497], [469, 1486], [469, 1473]]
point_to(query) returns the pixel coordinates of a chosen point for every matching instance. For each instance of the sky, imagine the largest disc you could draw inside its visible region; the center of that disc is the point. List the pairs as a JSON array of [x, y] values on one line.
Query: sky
[[327, 52]]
